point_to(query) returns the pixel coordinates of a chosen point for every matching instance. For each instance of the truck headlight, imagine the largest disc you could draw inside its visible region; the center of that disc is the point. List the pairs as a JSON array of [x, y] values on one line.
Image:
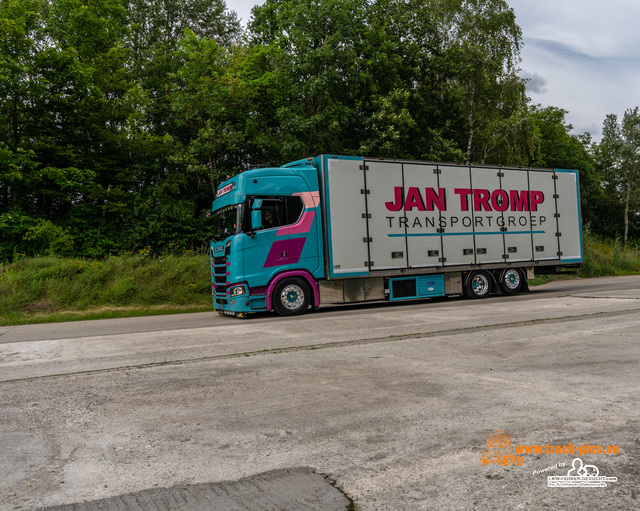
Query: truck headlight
[[237, 291]]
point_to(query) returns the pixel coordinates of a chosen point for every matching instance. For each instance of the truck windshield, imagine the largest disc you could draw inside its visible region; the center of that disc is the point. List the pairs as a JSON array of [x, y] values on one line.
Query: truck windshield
[[228, 221]]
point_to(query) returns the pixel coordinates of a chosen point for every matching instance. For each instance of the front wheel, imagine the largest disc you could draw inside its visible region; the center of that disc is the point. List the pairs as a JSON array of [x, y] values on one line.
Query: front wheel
[[291, 297], [511, 281], [478, 285]]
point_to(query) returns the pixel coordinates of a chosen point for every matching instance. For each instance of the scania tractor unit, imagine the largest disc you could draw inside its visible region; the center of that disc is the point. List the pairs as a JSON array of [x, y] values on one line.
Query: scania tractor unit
[[342, 229]]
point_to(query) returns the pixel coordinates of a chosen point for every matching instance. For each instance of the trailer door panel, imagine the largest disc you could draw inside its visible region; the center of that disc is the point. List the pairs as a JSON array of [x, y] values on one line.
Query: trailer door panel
[[425, 199], [387, 236], [569, 216], [488, 221], [345, 208], [543, 215], [518, 235], [458, 245]]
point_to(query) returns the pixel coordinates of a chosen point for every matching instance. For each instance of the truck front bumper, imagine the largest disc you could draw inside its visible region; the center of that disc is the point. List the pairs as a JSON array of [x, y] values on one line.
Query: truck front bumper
[[236, 300]]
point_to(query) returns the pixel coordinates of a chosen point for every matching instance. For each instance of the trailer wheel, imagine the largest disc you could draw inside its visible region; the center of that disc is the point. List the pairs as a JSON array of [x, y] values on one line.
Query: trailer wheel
[[511, 281], [478, 285], [291, 297]]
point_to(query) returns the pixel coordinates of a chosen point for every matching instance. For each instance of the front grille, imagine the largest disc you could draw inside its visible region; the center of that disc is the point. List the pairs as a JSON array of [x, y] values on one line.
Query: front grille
[[219, 273]]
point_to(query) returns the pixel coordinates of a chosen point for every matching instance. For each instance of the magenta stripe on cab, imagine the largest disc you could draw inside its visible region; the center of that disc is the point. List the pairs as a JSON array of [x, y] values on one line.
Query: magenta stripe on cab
[[302, 226]]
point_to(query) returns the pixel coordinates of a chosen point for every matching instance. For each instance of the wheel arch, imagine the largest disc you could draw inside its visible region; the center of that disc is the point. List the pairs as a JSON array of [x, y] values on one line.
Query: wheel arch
[[302, 274]]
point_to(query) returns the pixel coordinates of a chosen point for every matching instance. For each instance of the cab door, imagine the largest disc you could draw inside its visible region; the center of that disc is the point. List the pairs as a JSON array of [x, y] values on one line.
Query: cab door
[[265, 252]]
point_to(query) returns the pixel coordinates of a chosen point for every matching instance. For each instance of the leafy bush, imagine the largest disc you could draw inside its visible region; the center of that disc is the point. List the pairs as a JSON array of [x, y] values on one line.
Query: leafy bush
[[608, 257]]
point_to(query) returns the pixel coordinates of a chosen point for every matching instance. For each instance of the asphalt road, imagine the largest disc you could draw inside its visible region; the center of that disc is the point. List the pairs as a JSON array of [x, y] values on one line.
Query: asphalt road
[[395, 405]]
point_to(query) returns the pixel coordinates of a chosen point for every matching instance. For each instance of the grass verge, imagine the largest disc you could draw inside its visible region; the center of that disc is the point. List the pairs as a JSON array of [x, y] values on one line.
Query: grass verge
[[50, 289]]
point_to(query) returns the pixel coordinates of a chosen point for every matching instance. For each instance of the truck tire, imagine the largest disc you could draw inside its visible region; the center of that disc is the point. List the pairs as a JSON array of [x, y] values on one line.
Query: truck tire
[[511, 281], [291, 297], [478, 285]]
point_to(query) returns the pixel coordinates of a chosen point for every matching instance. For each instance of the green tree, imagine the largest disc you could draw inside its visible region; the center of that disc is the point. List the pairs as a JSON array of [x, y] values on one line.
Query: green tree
[[484, 40], [20, 34], [157, 28], [408, 60], [319, 50], [168, 194], [620, 153], [554, 146], [209, 100], [390, 126]]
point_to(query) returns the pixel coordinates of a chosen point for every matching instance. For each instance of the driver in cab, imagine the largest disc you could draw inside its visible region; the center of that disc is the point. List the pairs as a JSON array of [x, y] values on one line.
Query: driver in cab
[[269, 220]]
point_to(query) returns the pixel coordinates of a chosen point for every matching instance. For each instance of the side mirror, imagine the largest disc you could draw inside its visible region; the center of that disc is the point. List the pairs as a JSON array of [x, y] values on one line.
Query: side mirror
[[256, 214]]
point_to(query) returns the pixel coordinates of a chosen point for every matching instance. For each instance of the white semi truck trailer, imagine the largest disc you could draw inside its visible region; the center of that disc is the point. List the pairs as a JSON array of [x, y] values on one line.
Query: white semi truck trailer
[[336, 229]]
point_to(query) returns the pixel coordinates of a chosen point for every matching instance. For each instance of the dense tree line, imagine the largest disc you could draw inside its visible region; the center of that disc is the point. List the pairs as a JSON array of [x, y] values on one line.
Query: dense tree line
[[118, 118]]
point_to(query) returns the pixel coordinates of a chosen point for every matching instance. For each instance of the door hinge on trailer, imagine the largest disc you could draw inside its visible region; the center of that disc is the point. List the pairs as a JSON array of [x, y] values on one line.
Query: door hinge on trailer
[[500, 174], [364, 167], [442, 259], [368, 263], [365, 191], [367, 240], [366, 215], [558, 234], [559, 253], [437, 171], [555, 176]]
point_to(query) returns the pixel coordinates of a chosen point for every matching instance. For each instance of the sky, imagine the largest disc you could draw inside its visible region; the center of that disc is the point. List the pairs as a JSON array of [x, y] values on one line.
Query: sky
[[579, 55]]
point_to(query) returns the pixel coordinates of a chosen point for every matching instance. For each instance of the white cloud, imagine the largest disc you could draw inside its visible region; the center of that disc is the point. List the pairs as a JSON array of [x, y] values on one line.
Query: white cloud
[[587, 51]]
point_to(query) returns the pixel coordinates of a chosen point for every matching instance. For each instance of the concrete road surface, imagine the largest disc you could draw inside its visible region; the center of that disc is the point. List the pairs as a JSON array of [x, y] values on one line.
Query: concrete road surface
[[528, 402]]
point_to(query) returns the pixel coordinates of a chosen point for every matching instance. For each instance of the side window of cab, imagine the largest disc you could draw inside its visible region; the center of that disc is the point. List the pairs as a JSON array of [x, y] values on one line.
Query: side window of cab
[[274, 212], [294, 209]]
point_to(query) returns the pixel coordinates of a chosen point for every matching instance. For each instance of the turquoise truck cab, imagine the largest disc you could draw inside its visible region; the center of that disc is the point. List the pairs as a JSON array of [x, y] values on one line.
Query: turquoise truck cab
[[268, 238]]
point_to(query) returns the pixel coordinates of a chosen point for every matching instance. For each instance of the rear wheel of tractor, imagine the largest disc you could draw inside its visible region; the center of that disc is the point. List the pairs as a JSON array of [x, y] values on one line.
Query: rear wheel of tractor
[[478, 285], [291, 297], [511, 281]]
